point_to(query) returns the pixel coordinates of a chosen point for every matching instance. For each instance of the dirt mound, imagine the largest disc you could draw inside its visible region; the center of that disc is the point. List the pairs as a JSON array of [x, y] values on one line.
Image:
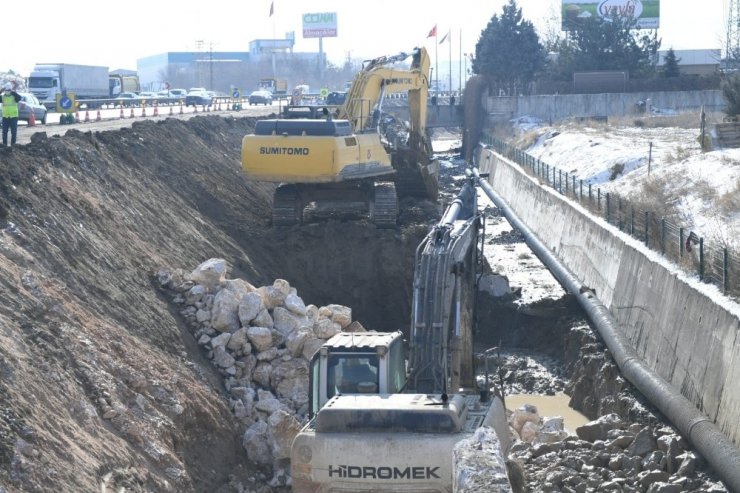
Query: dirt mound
[[102, 386]]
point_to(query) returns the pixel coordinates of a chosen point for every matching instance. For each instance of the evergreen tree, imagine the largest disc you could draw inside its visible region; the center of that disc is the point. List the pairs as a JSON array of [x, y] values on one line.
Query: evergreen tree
[[607, 44], [731, 92], [509, 50], [670, 64]]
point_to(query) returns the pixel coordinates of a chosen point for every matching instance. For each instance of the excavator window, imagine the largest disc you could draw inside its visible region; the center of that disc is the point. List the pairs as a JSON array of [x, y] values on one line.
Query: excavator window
[[352, 374]]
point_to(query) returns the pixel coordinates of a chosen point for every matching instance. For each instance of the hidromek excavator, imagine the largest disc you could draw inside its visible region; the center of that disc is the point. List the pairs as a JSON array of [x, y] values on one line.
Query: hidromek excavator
[[341, 160], [385, 423]]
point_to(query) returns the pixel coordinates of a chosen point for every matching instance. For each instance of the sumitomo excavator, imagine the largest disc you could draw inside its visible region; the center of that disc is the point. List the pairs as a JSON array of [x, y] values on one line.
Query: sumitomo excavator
[[385, 418], [340, 162]]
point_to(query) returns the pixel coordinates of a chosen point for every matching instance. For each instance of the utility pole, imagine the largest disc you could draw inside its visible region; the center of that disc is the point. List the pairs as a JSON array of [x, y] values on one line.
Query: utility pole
[[732, 50]]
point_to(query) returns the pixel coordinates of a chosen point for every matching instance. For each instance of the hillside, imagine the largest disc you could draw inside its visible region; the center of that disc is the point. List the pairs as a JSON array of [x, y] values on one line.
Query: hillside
[[88, 219]]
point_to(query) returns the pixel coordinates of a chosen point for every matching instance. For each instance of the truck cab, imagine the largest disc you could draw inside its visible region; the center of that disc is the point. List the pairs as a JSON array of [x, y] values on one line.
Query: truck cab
[[44, 83], [352, 363]]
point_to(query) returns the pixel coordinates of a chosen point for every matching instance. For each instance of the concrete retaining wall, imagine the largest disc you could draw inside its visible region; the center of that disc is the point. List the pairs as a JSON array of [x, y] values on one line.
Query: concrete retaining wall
[[683, 329], [558, 107]]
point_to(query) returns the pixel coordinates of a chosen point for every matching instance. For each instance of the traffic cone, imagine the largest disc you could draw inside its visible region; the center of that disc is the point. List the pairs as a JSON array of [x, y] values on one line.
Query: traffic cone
[[156, 109], [98, 117], [132, 113], [77, 116], [143, 110], [87, 116], [31, 118], [171, 112], [181, 107], [122, 115], [195, 110]]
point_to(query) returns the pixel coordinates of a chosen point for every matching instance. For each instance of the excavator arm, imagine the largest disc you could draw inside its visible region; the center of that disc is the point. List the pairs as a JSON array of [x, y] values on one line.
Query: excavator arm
[[445, 283], [364, 99]]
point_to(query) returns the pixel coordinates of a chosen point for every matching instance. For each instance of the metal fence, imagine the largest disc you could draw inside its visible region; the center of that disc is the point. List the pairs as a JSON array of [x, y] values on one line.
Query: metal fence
[[712, 263]]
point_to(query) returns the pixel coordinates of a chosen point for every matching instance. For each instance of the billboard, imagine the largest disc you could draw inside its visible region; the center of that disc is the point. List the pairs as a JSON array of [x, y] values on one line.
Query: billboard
[[647, 12], [320, 25]]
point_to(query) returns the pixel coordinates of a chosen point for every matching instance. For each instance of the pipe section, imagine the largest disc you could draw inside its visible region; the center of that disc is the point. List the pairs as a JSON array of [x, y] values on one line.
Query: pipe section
[[695, 426]]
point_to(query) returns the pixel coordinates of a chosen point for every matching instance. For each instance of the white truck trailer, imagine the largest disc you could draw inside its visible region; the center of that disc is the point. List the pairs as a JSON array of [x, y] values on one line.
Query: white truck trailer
[[85, 81]]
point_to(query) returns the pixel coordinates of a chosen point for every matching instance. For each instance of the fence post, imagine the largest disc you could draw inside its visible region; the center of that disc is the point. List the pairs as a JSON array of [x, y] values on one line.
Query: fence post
[[607, 208], [725, 270], [574, 185], [632, 220], [647, 219], [560, 181], [701, 259], [598, 198], [590, 198], [680, 242], [566, 183], [620, 223], [662, 235], [581, 184]]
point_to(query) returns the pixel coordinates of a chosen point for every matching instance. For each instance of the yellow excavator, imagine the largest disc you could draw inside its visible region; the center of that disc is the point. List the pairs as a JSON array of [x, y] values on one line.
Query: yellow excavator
[[340, 161]]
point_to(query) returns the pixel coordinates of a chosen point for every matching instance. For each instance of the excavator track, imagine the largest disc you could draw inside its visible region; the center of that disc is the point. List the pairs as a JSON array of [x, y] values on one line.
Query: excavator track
[[287, 209], [384, 205]]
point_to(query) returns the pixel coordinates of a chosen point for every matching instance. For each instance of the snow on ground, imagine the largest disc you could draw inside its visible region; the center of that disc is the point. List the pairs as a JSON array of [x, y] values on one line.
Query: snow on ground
[[702, 188]]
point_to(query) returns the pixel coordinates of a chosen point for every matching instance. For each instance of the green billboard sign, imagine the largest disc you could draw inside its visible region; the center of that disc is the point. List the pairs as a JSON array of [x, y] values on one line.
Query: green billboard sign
[[646, 12]]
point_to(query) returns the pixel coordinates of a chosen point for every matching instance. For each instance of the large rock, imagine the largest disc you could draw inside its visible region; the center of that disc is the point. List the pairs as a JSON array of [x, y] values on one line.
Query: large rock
[[598, 429], [249, 307], [289, 378], [260, 337], [287, 322], [295, 304], [644, 443], [311, 345], [294, 342], [261, 374], [238, 339], [341, 314], [225, 312], [271, 296], [326, 328], [264, 319], [256, 442], [195, 294], [283, 428], [210, 273]]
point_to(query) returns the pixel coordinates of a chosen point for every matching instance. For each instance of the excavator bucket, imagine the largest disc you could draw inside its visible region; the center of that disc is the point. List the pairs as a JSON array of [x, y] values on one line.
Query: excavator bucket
[[416, 174]]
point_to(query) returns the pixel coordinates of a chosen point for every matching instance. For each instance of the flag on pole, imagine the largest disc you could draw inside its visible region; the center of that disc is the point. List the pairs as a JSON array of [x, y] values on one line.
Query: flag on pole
[[272, 8], [445, 37], [433, 32]]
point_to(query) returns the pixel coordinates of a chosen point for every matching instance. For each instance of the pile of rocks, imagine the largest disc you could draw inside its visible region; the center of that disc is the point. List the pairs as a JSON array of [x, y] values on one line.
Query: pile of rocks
[[606, 455], [260, 340]]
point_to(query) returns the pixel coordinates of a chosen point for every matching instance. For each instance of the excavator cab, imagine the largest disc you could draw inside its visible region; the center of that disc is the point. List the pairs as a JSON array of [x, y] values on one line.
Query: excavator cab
[[357, 363]]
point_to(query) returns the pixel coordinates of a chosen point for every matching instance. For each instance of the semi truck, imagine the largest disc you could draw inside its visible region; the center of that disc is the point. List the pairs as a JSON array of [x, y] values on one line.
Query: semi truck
[[84, 81], [119, 83], [387, 418], [278, 87]]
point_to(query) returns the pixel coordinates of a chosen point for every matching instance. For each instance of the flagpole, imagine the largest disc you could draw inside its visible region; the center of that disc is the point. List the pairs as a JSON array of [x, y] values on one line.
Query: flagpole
[[459, 42], [449, 41], [436, 65]]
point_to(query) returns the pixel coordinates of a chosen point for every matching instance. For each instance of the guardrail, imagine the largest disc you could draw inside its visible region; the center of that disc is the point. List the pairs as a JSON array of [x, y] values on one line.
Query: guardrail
[[144, 102]]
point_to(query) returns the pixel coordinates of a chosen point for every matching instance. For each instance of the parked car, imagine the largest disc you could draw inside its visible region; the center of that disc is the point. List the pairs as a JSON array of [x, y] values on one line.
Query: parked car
[[260, 97], [30, 103], [127, 99], [148, 97], [336, 97], [198, 98], [172, 96]]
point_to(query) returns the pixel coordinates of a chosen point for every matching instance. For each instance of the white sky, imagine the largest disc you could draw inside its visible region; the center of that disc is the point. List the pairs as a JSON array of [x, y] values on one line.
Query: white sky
[[117, 34]]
